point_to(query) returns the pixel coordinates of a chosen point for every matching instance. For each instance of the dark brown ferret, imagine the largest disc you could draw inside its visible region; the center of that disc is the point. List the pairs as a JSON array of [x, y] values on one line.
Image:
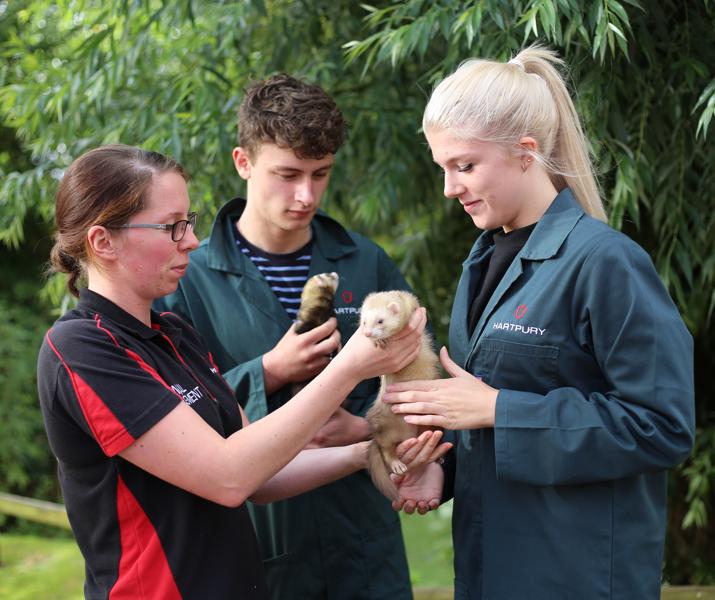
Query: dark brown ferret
[[316, 307], [316, 301], [382, 315]]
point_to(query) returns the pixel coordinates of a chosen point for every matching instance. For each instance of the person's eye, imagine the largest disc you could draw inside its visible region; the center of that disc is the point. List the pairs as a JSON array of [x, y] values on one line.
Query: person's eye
[[465, 168], [287, 176], [320, 175]]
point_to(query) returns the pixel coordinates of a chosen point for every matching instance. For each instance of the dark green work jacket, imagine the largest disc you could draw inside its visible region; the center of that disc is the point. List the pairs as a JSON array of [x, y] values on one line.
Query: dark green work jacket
[[565, 498], [343, 540]]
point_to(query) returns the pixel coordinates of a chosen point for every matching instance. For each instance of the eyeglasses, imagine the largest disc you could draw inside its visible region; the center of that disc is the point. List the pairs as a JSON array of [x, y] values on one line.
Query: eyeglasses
[[178, 229]]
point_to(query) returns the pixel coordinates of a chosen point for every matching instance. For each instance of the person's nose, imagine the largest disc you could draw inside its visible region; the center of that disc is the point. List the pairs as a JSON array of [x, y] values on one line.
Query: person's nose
[[305, 192], [190, 241], [452, 187]]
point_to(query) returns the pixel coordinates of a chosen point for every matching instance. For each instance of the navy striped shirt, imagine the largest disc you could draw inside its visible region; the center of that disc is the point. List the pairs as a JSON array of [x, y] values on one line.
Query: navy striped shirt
[[286, 274]]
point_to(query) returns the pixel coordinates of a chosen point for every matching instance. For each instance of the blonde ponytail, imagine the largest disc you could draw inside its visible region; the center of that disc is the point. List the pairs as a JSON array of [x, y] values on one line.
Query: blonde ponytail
[[503, 102]]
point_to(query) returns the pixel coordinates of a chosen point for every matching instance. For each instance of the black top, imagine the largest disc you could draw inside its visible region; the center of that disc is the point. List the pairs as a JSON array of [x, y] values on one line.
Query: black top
[[104, 379], [506, 247]]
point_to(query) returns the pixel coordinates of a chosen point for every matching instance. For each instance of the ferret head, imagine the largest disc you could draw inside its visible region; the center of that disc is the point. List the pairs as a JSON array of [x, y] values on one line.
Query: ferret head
[[329, 281], [381, 321], [323, 283]]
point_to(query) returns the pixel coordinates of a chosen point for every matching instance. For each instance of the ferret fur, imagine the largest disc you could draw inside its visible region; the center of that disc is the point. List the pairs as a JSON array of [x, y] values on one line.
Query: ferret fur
[[316, 301], [316, 307], [382, 315]]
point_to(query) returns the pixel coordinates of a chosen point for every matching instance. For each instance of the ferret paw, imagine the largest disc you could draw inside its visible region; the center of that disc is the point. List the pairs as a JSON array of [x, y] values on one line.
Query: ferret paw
[[381, 343], [398, 467]]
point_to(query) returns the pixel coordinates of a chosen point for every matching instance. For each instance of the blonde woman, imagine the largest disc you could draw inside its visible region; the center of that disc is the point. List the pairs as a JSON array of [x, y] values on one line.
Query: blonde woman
[[571, 371]]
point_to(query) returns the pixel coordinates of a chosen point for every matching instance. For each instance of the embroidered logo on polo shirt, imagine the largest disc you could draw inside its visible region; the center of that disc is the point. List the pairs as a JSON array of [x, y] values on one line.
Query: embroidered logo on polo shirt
[[520, 311], [189, 396]]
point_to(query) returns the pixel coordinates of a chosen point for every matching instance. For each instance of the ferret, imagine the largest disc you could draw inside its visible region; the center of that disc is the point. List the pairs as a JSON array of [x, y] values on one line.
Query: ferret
[[316, 301], [316, 307], [382, 315]]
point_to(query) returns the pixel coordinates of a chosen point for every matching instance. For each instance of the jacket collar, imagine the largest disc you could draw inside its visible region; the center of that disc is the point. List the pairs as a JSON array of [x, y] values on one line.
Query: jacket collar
[[330, 239], [554, 227], [95, 303], [544, 242], [548, 235]]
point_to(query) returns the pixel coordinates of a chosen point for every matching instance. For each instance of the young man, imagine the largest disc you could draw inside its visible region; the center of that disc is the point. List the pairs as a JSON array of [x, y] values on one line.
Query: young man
[[242, 290]]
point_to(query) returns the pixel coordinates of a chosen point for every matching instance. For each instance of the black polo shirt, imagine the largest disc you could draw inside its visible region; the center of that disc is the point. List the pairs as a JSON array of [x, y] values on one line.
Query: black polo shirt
[[104, 379]]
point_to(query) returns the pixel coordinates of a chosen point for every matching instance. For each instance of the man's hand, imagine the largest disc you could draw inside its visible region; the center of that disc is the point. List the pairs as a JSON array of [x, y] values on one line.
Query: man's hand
[[299, 357], [341, 429]]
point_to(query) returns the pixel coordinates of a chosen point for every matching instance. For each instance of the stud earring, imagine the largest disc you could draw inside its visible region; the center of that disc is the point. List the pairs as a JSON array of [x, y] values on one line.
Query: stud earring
[[525, 165]]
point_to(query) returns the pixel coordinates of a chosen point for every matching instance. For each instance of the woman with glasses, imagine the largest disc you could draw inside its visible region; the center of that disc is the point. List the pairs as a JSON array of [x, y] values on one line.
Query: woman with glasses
[[156, 458]]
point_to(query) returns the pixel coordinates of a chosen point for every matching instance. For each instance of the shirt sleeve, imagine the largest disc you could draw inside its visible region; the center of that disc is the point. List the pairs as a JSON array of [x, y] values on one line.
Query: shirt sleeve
[[644, 421], [109, 391], [246, 379]]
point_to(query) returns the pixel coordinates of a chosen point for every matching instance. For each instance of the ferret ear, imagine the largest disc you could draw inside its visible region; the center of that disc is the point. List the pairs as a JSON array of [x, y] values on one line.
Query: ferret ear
[[394, 308]]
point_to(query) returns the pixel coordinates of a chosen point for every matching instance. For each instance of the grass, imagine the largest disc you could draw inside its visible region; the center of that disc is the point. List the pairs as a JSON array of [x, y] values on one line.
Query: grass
[[428, 540], [34, 567]]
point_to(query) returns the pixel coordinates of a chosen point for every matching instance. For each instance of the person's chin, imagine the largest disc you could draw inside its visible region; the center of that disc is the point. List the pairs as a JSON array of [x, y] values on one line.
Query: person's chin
[[170, 284], [481, 222]]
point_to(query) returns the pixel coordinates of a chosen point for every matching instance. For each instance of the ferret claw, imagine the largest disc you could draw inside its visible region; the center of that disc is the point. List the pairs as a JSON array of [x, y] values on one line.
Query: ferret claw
[[398, 467]]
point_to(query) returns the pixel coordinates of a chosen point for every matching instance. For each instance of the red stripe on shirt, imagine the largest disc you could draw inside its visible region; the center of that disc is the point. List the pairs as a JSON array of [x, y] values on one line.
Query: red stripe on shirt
[[149, 369], [98, 321], [110, 433], [221, 377], [144, 572], [134, 356]]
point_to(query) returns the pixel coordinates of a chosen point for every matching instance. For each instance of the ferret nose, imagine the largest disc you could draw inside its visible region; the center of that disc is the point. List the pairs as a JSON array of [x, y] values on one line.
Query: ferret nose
[[367, 331]]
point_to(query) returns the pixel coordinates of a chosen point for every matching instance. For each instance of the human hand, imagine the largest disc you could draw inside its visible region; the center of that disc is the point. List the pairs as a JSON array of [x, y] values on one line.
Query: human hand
[[460, 402], [362, 358], [299, 357], [341, 429], [420, 489], [415, 452]]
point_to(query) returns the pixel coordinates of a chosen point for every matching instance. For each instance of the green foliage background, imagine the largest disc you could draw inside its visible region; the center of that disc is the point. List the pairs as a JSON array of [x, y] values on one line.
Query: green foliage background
[[169, 76]]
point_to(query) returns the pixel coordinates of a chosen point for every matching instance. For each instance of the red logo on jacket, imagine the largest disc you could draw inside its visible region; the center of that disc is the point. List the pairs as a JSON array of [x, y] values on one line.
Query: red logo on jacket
[[347, 296], [520, 311]]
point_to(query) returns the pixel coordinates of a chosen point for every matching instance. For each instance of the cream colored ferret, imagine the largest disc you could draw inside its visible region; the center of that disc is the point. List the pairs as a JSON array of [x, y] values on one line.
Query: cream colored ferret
[[382, 315]]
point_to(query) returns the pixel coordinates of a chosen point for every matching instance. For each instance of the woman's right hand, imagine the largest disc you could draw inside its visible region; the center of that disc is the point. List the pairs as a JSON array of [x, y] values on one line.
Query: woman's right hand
[[365, 360]]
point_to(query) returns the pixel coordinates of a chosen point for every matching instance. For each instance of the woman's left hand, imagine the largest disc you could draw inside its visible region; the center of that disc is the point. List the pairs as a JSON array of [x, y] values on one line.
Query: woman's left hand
[[460, 402]]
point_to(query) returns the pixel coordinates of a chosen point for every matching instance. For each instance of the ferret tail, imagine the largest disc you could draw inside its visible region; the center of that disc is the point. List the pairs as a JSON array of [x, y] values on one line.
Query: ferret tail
[[379, 472]]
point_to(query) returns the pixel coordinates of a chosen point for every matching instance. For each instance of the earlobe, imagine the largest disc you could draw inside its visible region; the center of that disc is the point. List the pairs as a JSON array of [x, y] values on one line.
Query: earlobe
[[242, 162]]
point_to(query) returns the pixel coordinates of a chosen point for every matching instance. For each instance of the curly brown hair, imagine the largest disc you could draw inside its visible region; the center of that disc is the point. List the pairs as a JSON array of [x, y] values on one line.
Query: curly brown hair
[[292, 114]]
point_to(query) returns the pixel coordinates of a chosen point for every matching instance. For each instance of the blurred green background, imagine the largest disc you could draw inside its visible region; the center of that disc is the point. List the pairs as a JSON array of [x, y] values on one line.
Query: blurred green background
[[169, 76]]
